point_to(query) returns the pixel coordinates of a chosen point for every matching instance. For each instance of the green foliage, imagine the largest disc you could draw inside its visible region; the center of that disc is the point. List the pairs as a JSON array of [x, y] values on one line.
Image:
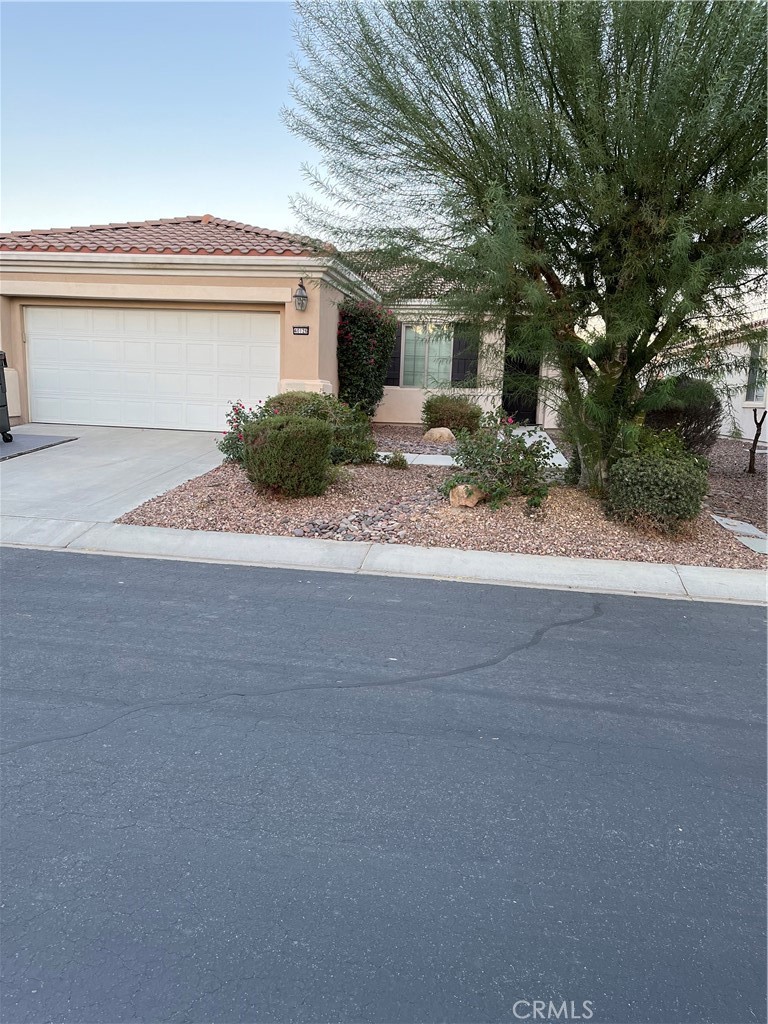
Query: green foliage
[[497, 460], [594, 163], [365, 340], [353, 439], [231, 444], [664, 444], [689, 407], [662, 486], [289, 454], [396, 460], [453, 411]]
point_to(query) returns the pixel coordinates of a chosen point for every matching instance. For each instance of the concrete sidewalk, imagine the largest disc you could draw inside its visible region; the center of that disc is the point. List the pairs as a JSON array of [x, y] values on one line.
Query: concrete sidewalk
[[682, 582]]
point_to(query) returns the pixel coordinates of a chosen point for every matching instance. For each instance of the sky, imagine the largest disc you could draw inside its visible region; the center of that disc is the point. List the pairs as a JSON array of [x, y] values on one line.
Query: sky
[[135, 111]]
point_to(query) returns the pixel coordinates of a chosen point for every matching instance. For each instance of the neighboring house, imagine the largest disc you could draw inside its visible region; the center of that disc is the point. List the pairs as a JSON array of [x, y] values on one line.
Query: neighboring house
[[748, 397], [162, 323]]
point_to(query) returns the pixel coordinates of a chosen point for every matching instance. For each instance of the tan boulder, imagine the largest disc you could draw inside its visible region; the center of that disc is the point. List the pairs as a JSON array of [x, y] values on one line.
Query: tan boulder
[[465, 495], [439, 435]]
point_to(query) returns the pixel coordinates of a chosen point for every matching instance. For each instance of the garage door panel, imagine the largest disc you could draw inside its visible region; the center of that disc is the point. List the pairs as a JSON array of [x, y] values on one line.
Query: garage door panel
[[137, 321], [49, 349], [199, 417], [236, 326], [99, 411], [74, 350], [135, 383], [106, 351], [266, 330], [104, 382], [263, 360], [50, 381], [203, 325], [232, 357], [204, 385], [70, 318], [164, 368], [167, 354], [201, 355], [137, 352], [136, 414], [169, 414], [107, 321], [170, 385], [170, 323]]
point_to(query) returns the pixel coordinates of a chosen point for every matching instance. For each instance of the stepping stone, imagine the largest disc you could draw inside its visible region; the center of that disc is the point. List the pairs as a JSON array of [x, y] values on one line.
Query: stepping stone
[[736, 526], [758, 544]]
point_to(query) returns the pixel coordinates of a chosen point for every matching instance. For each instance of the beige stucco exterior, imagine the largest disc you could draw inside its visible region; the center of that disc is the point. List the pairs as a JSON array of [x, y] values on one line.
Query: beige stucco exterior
[[264, 284]]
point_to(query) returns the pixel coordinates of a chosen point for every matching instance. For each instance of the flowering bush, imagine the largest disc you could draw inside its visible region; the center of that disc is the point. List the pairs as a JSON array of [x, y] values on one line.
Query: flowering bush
[[231, 444], [365, 341], [496, 459]]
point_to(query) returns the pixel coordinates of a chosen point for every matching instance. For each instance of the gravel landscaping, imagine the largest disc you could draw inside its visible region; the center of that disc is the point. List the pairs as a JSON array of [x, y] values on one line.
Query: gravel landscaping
[[407, 439], [373, 503], [731, 491]]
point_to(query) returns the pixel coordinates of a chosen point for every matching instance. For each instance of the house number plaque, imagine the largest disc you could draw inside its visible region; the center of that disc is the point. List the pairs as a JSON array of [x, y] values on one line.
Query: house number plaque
[[301, 330]]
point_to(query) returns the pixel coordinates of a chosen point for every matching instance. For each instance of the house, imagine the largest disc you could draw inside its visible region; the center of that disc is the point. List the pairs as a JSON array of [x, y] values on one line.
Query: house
[[745, 399], [161, 323]]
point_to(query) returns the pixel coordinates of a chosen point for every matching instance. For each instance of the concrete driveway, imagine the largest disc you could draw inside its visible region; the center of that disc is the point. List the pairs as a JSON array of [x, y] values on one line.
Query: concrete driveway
[[107, 471]]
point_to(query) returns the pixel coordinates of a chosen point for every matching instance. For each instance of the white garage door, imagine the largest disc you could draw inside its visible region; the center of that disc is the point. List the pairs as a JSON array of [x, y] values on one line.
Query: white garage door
[[148, 367]]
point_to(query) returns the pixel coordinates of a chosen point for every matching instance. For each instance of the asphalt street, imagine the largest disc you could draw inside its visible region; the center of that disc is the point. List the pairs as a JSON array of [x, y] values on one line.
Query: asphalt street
[[254, 795]]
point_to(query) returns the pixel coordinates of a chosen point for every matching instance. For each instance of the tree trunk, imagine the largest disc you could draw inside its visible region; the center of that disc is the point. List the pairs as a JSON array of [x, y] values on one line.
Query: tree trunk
[[755, 439]]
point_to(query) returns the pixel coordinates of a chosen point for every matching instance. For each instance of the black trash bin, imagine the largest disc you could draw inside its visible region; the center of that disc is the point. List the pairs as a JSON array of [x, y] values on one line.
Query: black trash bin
[[5, 421]]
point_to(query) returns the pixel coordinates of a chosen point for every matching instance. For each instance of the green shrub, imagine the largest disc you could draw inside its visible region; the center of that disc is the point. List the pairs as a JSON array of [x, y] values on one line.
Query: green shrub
[[452, 411], [663, 444], [496, 459], [660, 490], [289, 454], [365, 340], [396, 460], [353, 439], [689, 407]]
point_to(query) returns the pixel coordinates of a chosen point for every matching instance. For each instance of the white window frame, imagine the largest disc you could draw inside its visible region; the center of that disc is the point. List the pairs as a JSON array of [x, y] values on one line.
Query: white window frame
[[431, 326], [757, 401]]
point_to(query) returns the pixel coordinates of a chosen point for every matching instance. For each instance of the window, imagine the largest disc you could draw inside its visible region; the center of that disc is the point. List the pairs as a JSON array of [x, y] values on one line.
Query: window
[[430, 355], [756, 378]]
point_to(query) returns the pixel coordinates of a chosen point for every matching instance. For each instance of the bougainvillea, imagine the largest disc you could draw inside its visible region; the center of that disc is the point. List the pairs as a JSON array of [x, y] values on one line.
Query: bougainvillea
[[366, 338]]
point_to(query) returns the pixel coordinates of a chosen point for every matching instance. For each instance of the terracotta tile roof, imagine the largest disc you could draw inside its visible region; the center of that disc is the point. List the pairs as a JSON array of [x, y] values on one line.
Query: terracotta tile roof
[[206, 235]]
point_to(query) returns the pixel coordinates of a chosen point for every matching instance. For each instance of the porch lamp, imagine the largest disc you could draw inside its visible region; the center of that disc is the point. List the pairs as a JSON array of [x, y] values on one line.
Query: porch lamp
[[300, 297]]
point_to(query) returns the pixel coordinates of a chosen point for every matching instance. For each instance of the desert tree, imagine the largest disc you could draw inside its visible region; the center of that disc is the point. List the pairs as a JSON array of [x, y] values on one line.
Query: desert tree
[[589, 177]]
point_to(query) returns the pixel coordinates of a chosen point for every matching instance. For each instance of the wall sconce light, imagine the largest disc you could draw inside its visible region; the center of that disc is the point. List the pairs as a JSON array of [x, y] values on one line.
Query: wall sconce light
[[300, 297]]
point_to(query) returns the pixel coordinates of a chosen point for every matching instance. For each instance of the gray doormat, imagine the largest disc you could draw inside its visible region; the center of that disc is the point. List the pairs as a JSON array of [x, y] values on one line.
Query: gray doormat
[[23, 444]]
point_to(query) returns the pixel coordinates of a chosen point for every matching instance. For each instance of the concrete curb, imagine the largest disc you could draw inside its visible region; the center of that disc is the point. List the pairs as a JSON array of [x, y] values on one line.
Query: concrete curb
[[647, 579]]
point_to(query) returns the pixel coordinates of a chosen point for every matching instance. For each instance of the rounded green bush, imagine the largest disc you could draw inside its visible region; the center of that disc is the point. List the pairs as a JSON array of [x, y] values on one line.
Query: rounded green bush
[[660, 491], [452, 411], [289, 454], [353, 439]]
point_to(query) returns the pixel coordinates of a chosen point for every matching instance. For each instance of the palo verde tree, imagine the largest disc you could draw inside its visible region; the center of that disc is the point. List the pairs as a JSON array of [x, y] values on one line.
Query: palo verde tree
[[592, 173]]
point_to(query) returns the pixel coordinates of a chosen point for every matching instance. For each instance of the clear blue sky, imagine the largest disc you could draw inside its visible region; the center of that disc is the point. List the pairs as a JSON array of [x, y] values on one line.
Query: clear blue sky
[[129, 111]]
